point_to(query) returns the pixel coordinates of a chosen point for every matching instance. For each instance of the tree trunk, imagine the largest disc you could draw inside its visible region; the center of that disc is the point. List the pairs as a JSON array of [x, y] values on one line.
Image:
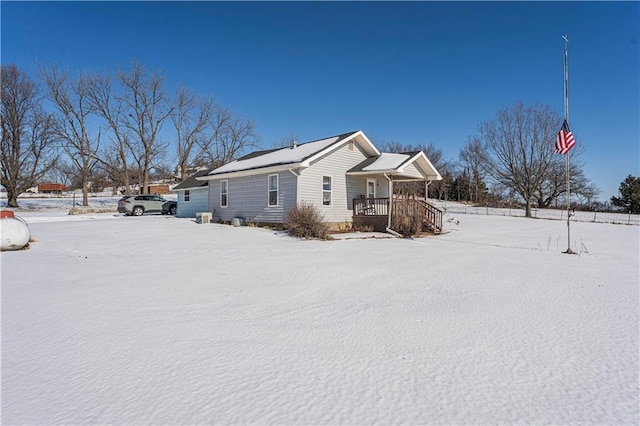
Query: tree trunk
[[145, 178], [12, 199], [183, 171], [85, 190], [527, 211], [127, 180]]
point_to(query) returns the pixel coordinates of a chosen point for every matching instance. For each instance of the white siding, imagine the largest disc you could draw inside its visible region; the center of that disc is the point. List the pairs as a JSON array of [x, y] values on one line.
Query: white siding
[[344, 188], [249, 196], [198, 202], [412, 170]]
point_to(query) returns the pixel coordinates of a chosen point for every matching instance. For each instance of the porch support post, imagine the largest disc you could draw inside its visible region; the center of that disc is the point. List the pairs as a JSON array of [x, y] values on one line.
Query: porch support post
[[389, 210]]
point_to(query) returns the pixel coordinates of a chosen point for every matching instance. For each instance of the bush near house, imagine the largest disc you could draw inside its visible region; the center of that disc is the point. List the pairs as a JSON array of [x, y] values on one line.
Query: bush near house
[[305, 221], [408, 225]]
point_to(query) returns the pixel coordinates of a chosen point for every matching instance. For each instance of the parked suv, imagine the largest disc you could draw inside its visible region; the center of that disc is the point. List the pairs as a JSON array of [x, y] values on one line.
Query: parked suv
[[137, 205], [170, 207]]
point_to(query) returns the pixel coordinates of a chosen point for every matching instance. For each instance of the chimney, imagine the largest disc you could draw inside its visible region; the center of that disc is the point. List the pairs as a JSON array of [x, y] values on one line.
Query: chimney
[[294, 144]]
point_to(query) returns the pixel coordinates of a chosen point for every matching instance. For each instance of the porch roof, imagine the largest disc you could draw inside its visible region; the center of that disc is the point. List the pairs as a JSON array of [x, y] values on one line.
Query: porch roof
[[395, 164]]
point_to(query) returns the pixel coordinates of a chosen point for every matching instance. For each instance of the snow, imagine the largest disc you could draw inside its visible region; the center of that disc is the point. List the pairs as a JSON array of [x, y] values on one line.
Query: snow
[[387, 161], [159, 320], [281, 156]]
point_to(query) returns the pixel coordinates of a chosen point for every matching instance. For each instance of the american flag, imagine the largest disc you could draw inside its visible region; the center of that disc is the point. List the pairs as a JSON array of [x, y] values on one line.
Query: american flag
[[564, 140]]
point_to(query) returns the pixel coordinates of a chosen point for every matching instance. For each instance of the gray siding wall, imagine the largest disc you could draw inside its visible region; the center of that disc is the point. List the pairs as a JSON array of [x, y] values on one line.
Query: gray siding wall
[[357, 186], [344, 188], [248, 198], [198, 202]]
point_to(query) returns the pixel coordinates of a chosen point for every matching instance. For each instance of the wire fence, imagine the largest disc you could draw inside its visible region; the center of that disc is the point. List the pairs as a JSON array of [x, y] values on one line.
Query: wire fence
[[551, 214]]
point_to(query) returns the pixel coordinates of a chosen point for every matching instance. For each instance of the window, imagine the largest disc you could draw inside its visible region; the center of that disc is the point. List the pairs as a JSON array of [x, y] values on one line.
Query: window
[[224, 193], [371, 188], [326, 190], [186, 195], [273, 190]]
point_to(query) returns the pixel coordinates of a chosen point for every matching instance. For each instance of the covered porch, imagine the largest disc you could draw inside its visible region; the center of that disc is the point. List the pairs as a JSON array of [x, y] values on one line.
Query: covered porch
[[387, 213], [404, 201]]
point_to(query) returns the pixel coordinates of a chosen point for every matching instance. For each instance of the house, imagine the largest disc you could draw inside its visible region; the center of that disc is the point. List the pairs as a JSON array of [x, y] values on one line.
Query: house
[[48, 188], [344, 176], [193, 195], [158, 188]]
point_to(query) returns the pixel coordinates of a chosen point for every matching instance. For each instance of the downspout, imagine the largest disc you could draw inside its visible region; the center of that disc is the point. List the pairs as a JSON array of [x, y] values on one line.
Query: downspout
[[390, 190], [297, 175]]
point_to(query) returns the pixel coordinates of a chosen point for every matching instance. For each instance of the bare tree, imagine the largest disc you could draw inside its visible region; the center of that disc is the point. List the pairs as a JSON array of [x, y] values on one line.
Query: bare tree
[[554, 184], [63, 172], [520, 146], [190, 117], [70, 99], [28, 134], [589, 194], [115, 159], [287, 141], [229, 135], [110, 164], [146, 109], [473, 158]]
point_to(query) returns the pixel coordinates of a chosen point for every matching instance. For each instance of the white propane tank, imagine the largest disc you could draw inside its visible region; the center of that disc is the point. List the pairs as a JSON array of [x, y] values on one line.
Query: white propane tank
[[14, 233]]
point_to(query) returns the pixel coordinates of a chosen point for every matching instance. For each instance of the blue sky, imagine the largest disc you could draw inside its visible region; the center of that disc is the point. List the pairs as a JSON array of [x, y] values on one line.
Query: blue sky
[[414, 72]]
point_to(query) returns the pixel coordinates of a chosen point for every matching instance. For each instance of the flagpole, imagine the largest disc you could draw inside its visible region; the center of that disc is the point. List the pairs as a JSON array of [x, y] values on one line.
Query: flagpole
[[566, 118]]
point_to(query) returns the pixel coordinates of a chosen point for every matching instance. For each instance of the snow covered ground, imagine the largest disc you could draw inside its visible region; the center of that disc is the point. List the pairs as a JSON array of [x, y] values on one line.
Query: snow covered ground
[[159, 320]]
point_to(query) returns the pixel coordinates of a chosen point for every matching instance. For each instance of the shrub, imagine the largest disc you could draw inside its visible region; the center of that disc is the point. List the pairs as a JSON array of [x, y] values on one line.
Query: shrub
[[363, 228], [305, 221], [408, 225]]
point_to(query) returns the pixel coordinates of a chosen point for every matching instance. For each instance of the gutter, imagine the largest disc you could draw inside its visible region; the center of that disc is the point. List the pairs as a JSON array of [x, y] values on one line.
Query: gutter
[[388, 228], [297, 175], [249, 172]]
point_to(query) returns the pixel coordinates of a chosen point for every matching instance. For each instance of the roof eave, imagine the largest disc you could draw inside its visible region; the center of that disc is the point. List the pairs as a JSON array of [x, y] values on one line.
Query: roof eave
[[253, 171], [423, 156], [189, 188], [370, 146], [373, 172]]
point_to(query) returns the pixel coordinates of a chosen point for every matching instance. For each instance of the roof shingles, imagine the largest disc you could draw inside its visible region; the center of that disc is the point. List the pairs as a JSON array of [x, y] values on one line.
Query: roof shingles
[[291, 155]]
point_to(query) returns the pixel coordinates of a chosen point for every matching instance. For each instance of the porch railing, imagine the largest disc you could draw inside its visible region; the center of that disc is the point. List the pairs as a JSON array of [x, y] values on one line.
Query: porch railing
[[431, 216], [370, 206]]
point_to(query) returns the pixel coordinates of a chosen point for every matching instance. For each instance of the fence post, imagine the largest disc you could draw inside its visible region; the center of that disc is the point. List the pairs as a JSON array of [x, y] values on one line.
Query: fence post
[[629, 220]]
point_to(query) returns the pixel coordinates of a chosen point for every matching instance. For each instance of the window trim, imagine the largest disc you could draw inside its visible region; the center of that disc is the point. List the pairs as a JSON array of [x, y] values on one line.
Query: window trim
[[374, 187], [277, 190], [226, 193], [187, 196], [330, 191]]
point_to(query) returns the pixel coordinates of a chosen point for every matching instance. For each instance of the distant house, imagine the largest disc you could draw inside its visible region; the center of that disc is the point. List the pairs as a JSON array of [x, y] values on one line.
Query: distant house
[[193, 195], [158, 188], [344, 176], [48, 188]]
